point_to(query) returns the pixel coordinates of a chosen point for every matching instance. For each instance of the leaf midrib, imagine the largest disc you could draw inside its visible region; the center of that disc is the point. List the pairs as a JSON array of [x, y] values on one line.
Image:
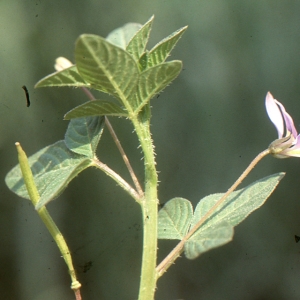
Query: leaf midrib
[[108, 75]]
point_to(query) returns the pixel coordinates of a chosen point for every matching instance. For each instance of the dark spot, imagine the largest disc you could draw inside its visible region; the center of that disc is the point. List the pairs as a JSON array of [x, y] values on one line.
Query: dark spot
[[27, 95]]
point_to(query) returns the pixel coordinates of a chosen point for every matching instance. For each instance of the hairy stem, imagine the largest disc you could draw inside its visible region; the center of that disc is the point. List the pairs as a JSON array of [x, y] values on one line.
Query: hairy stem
[[149, 207], [175, 253]]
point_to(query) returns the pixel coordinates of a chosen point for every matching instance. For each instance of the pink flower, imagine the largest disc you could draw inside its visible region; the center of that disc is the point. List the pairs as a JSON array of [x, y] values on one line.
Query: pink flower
[[288, 142]]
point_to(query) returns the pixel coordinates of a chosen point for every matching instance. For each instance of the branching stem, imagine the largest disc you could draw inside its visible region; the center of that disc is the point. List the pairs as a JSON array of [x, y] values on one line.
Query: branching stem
[[119, 146], [118, 179]]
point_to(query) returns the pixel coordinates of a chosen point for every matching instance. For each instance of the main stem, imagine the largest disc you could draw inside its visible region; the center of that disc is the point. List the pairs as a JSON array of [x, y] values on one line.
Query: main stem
[[149, 208]]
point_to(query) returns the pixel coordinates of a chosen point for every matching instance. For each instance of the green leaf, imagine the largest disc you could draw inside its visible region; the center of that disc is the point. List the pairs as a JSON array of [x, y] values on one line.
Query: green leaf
[[174, 219], [161, 51], [217, 230], [83, 135], [66, 77], [154, 80], [53, 167], [137, 45], [208, 238], [107, 67], [143, 61], [96, 108], [237, 206], [121, 36]]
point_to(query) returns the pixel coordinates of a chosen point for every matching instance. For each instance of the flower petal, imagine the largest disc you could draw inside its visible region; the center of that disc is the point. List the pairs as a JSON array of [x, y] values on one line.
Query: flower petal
[[289, 123], [274, 114], [294, 150]]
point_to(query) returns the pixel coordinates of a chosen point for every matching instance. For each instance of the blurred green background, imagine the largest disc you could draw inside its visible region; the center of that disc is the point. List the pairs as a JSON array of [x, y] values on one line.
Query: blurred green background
[[207, 126]]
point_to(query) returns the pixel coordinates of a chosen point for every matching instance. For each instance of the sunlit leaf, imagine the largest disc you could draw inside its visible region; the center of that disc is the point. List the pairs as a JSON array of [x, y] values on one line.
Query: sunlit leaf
[[154, 80], [106, 67], [66, 77], [138, 43], [143, 61], [83, 135], [161, 51], [96, 108], [53, 167], [174, 219]]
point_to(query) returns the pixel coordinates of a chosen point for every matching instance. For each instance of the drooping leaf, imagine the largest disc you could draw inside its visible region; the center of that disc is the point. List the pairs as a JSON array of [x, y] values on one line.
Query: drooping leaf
[[138, 43], [53, 167], [161, 51], [154, 80], [174, 219], [121, 36], [96, 108], [106, 67], [66, 77], [83, 135]]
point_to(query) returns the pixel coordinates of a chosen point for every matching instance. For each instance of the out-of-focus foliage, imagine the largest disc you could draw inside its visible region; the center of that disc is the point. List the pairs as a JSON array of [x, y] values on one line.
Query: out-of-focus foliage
[[233, 53]]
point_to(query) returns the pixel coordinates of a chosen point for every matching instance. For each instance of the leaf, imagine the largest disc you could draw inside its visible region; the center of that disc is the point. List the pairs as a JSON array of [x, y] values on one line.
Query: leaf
[[66, 77], [237, 206], [112, 70], [96, 108], [107, 67], [53, 167], [138, 43], [160, 52], [154, 80], [83, 135], [207, 239], [143, 61], [121, 36], [217, 230], [174, 219]]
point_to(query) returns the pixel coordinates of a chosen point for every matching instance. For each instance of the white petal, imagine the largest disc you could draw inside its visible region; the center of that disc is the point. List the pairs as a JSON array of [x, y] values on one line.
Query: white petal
[[274, 114]]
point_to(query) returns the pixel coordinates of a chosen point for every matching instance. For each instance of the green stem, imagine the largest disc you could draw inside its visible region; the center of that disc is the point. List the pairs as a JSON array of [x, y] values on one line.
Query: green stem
[[125, 158], [175, 253], [118, 179], [149, 207], [119, 146], [46, 218]]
